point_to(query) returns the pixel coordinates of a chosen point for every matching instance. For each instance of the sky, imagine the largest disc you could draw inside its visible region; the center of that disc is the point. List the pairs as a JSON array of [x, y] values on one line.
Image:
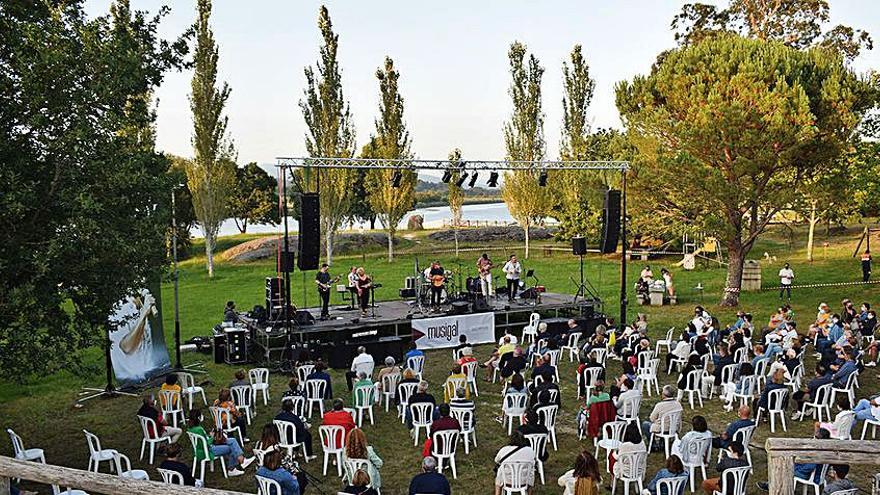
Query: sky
[[451, 55]]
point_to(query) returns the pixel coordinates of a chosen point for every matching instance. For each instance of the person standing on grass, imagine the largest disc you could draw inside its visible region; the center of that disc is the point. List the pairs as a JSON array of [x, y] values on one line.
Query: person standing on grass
[[866, 265], [786, 276]]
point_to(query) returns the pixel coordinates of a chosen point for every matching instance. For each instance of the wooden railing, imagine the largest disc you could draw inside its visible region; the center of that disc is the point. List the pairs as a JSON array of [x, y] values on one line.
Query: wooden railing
[[90, 482], [782, 453]]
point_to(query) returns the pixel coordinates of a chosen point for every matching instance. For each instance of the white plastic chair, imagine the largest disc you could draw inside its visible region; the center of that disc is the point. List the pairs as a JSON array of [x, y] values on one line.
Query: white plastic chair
[[673, 486], [743, 436], [676, 362], [538, 442], [747, 390], [243, 398], [693, 386], [443, 445], [352, 466], [845, 431], [299, 404], [571, 346], [812, 481], [821, 402], [465, 417], [647, 377], [775, 399], [733, 481], [601, 354], [848, 389], [389, 387], [421, 415], [515, 477], [670, 422], [315, 390], [171, 477], [554, 361], [796, 376], [761, 374], [417, 364], [874, 423], [589, 377], [741, 355], [629, 410], [630, 468], [303, 371], [171, 405], [259, 378], [367, 367], [530, 331], [123, 468], [151, 437], [696, 456], [333, 443], [200, 444], [453, 384], [267, 486], [364, 397], [404, 392], [547, 417], [189, 388], [470, 371], [851, 491], [612, 435], [22, 453], [97, 455], [287, 438], [665, 342], [514, 407], [219, 415]]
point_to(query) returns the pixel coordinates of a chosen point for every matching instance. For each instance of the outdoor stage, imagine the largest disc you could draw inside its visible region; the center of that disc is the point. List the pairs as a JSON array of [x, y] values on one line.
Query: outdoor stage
[[389, 332]]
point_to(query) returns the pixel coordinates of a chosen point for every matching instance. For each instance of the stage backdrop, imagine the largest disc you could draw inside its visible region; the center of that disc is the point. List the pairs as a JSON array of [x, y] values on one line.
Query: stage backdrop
[[137, 341], [437, 333]]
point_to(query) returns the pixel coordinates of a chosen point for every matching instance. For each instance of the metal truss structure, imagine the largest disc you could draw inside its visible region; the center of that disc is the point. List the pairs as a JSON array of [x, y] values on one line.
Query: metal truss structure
[[464, 165]]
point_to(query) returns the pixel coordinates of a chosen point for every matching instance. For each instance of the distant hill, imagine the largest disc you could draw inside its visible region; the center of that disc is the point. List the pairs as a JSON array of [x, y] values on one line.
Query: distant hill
[[430, 193]]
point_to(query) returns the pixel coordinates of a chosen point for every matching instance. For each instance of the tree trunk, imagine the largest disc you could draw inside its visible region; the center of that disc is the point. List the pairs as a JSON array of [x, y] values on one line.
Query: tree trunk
[[813, 221], [390, 245], [736, 256], [455, 234], [373, 222], [328, 239], [209, 252], [526, 229], [242, 227]]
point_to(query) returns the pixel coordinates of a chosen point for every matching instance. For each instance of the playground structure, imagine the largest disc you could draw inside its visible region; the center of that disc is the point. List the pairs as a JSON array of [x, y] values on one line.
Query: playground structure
[[865, 239], [693, 247]]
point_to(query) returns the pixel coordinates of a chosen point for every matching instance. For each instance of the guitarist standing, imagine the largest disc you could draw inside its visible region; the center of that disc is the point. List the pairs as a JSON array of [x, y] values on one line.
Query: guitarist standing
[[484, 266], [438, 279], [323, 281]]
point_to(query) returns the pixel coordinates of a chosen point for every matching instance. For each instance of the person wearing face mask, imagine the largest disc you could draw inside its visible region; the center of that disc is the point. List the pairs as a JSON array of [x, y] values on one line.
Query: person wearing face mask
[[867, 328]]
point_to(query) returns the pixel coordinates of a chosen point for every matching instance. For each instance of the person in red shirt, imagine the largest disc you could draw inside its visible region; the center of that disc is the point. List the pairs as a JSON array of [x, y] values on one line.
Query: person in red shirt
[[339, 416], [467, 356]]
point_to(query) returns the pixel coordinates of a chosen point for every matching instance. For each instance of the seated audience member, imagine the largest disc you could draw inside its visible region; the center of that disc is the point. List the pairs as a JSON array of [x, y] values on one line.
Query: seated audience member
[[836, 479], [668, 404], [270, 440], [356, 447], [454, 376], [584, 479], [340, 417], [467, 356], [674, 469], [148, 410], [632, 442], [461, 401], [734, 458], [627, 392], [240, 380], [419, 397], [360, 484], [363, 382], [694, 363], [414, 351], [868, 409], [517, 450], [805, 471], [238, 420], [699, 431], [533, 425], [172, 463], [302, 430], [462, 342], [744, 420], [845, 418], [846, 369], [389, 369], [545, 369], [320, 373], [445, 421], [777, 381], [362, 362], [505, 346], [236, 462], [172, 385], [294, 389], [273, 470], [515, 363], [429, 480], [729, 390]]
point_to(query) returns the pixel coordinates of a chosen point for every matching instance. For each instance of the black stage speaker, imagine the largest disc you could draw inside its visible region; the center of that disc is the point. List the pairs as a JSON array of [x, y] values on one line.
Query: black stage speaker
[[459, 308], [530, 293], [480, 305], [578, 246], [303, 317], [285, 261], [610, 222], [309, 245]]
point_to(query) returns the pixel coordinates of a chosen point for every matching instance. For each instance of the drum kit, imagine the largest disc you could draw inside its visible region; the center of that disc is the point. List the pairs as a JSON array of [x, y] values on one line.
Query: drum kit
[[454, 288]]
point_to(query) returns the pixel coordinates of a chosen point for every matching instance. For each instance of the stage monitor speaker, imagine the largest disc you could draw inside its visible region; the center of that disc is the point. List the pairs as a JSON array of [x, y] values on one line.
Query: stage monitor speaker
[[530, 293], [480, 305], [610, 222], [309, 245], [303, 318], [459, 308], [285, 261], [578, 246]]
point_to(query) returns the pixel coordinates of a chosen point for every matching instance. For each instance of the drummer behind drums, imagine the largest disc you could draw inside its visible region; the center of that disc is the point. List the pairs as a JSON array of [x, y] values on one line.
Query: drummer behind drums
[[437, 276], [484, 267]]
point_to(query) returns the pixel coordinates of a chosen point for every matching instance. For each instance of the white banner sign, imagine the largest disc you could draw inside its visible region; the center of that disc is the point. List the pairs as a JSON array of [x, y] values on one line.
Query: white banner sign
[[438, 333]]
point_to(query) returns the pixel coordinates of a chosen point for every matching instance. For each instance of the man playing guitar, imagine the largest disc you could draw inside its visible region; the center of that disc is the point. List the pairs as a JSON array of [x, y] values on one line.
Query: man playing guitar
[[323, 281], [364, 284], [438, 280], [484, 266]]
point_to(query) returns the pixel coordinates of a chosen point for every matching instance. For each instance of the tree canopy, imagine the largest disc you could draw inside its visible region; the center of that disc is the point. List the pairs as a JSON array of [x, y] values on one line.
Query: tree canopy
[[254, 199]]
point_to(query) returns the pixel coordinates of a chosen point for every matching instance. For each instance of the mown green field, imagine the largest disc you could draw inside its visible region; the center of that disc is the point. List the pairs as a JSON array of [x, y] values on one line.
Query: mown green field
[[43, 411]]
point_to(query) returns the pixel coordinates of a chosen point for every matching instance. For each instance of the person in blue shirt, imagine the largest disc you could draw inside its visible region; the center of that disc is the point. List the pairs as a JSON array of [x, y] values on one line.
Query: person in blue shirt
[[674, 469], [429, 480], [846, 369], [835, 331], [805, 471], [319, 373], [272, 470], [723, 440], [777, 381], [413, 352]]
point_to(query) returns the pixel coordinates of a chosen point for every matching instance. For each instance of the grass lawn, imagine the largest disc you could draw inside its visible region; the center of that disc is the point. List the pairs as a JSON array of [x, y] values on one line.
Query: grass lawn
[[42, 411]]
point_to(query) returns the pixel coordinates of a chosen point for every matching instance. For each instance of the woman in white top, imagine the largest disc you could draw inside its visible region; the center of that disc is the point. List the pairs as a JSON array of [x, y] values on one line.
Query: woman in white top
[[632, 442], [584, 479], [519, 450], [681, 447]]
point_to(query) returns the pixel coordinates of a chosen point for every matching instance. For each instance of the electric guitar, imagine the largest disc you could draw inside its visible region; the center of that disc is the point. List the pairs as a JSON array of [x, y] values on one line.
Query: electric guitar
[[438, 280], [328, 285]]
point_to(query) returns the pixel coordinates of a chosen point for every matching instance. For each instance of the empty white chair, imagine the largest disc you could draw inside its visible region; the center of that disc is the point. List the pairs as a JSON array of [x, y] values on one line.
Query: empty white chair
[[404, 392], [223, 422], [267, 486], [171, 405], [547, 417], [848, 389], [201, 449], [530, 331], [243, 398], [417, 364], [775, 399], [364, 397], [669, 424], [515, 477], [470, 371], [693, 386], [315, 390], [123, 468], [733, 481], [630, 468], [571, 346], [22, 453], [303, 371], [151, 437], [171, 477], [696, 456], [812, 481], [443, 444], [189, 388], [538, 442], [421, 417], [821, 402], [465, 417], [741, 355], [647, 377], [259, 378], [665, 343], [333, 442], [761, 374], [514, 407], [389, 387], [287, 438], [554, 361], [97, 455]]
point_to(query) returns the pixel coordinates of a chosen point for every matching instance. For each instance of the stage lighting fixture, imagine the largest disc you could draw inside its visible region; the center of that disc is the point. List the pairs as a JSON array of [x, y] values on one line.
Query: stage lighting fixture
[[447, 176], [463, 177], [395, 179], [473, 180], [542, 179], [493, 179]]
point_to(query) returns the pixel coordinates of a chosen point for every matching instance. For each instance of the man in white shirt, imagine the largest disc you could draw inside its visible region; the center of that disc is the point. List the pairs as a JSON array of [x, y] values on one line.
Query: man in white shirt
[[352, 285], [362, 362], [628, 393], [786, 275], [512, 270]]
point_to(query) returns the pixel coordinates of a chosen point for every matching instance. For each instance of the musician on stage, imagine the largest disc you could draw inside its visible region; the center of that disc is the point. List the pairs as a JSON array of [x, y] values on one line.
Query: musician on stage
[[512, 270], [484, 267], [438, 279], [323, 281], [352, 285], [363, 283]]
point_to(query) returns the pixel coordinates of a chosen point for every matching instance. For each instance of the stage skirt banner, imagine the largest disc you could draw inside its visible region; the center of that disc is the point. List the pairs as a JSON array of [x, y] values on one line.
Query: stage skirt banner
[[137, 350], [438, 333]]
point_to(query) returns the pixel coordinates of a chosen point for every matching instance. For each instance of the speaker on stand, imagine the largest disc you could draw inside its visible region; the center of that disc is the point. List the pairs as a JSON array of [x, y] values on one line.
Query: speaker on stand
[[309, 245]]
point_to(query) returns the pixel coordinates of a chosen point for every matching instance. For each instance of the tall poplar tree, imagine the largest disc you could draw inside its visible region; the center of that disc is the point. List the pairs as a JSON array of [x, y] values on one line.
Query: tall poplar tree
[[211, 173], [524, 140], [331, 134], [455, 196], [391, 141]]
